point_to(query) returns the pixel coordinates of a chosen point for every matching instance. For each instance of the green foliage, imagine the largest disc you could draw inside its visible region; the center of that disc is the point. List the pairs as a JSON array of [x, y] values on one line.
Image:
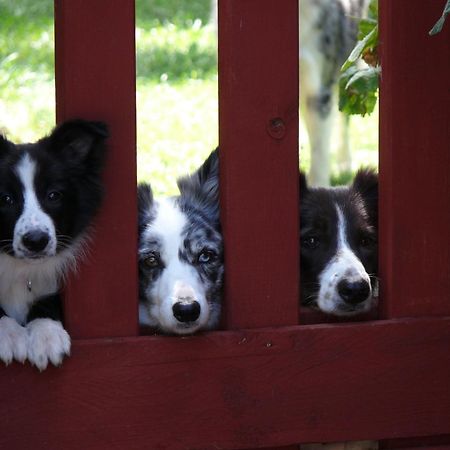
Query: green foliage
[[440, 23], [182, 13], [172, 53], [26, 46], [358, 84]]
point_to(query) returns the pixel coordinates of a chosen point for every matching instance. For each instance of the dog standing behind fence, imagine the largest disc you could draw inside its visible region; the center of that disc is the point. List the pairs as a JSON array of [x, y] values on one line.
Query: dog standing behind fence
[[328, 31]]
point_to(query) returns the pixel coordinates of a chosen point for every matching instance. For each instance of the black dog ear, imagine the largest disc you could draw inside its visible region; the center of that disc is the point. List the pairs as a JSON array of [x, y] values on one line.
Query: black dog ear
[[203, 185], [79, 141], [303, 183], [145, 203], [366, 184], [4, 144]]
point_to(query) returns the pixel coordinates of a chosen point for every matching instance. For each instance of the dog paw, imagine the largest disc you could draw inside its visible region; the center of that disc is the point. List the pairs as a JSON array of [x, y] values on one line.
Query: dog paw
[[13, 341], [48, 342]]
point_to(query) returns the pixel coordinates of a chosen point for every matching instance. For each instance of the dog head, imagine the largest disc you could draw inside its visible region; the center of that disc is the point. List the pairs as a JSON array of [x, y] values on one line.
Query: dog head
[[338, 248], [181, 254], [50, 190]]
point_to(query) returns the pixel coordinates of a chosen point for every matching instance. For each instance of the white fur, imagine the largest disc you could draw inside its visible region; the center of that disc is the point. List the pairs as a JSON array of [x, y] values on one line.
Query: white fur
[[32, 217], [13, 341], [47, 342], [345, 264], [44, 274], [179, 281]]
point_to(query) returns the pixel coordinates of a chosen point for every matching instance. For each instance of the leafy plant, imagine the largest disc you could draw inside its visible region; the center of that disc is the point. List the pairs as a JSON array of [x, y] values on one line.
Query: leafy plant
[[440, 23], [358, 84]]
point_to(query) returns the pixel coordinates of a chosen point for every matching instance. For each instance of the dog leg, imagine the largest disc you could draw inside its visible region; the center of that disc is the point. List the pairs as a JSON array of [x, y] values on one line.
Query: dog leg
[[319, 126]]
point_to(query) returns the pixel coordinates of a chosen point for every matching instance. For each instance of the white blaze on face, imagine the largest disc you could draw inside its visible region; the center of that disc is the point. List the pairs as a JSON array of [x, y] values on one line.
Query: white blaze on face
[[179, 280], [344, 265], [33, 218]]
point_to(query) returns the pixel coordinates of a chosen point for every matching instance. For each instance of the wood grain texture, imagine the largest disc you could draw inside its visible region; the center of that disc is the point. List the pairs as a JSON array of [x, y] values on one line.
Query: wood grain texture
[[258, 131], [95, 79], [274, 387], [414, 160]]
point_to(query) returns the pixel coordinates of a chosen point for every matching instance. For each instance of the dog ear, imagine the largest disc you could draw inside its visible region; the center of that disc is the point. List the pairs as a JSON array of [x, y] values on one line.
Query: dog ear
[[203, 185], [80, 141], [145, 203], [4, 143], [366, 184], [303, 183]]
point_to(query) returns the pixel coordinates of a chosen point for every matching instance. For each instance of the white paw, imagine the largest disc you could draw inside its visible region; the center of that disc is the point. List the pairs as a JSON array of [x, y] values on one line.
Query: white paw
[[48, 342], [13, 340]]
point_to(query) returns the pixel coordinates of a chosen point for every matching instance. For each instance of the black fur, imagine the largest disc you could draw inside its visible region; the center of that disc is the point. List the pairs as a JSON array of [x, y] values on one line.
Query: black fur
[[319, 228], [69, 163]]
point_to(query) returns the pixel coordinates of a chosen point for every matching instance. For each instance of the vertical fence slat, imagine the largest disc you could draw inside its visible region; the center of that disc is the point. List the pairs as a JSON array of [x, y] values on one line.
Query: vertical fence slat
[[258, 117], [414, 160], [95, 79]]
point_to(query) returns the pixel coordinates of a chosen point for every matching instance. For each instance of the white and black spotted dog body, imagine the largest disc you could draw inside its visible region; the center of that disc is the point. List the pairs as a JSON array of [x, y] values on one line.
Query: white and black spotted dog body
[[181, 254], [338, 249], [49, 193]]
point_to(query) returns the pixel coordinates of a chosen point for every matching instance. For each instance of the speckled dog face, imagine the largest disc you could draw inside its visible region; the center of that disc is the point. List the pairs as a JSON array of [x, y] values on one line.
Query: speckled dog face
[[180, 262], [339, 246]]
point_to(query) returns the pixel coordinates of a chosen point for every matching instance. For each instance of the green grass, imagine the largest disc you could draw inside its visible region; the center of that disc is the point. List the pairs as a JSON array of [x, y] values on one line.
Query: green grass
[[177, 106]]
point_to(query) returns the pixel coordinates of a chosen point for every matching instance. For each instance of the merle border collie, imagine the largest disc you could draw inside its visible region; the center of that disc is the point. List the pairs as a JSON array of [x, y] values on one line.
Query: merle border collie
[[181, 254], [49, 193], [338, 246]]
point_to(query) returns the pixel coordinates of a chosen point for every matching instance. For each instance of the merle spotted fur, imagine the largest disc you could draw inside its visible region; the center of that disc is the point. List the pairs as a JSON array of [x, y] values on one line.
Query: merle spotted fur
[[181, 287]]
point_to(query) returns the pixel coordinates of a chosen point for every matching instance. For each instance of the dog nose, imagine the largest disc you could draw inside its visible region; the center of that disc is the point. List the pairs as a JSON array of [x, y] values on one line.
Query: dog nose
[[353, 292], [35, 240], [186, 312]]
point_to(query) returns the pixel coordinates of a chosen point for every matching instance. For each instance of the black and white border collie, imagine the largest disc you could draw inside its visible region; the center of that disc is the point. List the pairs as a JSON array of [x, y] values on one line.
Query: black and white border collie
[[338, 248], [181, 254], [49, 193]]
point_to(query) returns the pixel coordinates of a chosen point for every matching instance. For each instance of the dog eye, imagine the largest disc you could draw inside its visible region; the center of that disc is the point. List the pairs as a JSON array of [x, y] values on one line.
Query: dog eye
[[206, 256], [6, 200], [152, 260], [366, 241], [310, 242], [54, 196]]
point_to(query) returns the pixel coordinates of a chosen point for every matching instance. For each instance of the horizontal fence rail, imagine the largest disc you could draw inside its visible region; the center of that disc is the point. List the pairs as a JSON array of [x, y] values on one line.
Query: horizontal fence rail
[[237, 389]]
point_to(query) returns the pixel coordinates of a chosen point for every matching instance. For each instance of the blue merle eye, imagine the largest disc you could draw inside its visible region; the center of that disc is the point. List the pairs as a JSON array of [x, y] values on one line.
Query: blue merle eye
[[152, 260], [310, 242], [206, 256], [6, 200], [54, 196]]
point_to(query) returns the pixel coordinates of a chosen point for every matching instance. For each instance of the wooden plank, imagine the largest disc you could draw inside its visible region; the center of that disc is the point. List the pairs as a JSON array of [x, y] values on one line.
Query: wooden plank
[[440, 442], [414, 160], [95, 79], [258, 118], [273, 387]]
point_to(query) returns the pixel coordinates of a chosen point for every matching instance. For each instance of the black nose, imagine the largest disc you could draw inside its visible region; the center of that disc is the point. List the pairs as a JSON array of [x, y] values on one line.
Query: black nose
[[35, 240], [186, 312], [353, 292]]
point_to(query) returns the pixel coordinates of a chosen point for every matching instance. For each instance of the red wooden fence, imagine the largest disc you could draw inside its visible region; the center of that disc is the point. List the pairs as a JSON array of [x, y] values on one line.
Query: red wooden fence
[[285, 383]]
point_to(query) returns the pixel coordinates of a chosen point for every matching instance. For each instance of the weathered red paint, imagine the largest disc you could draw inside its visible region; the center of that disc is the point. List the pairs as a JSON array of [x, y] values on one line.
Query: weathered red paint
[[236, 389], [95, 79], [414, 160], [269, 387], [258, 118]]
